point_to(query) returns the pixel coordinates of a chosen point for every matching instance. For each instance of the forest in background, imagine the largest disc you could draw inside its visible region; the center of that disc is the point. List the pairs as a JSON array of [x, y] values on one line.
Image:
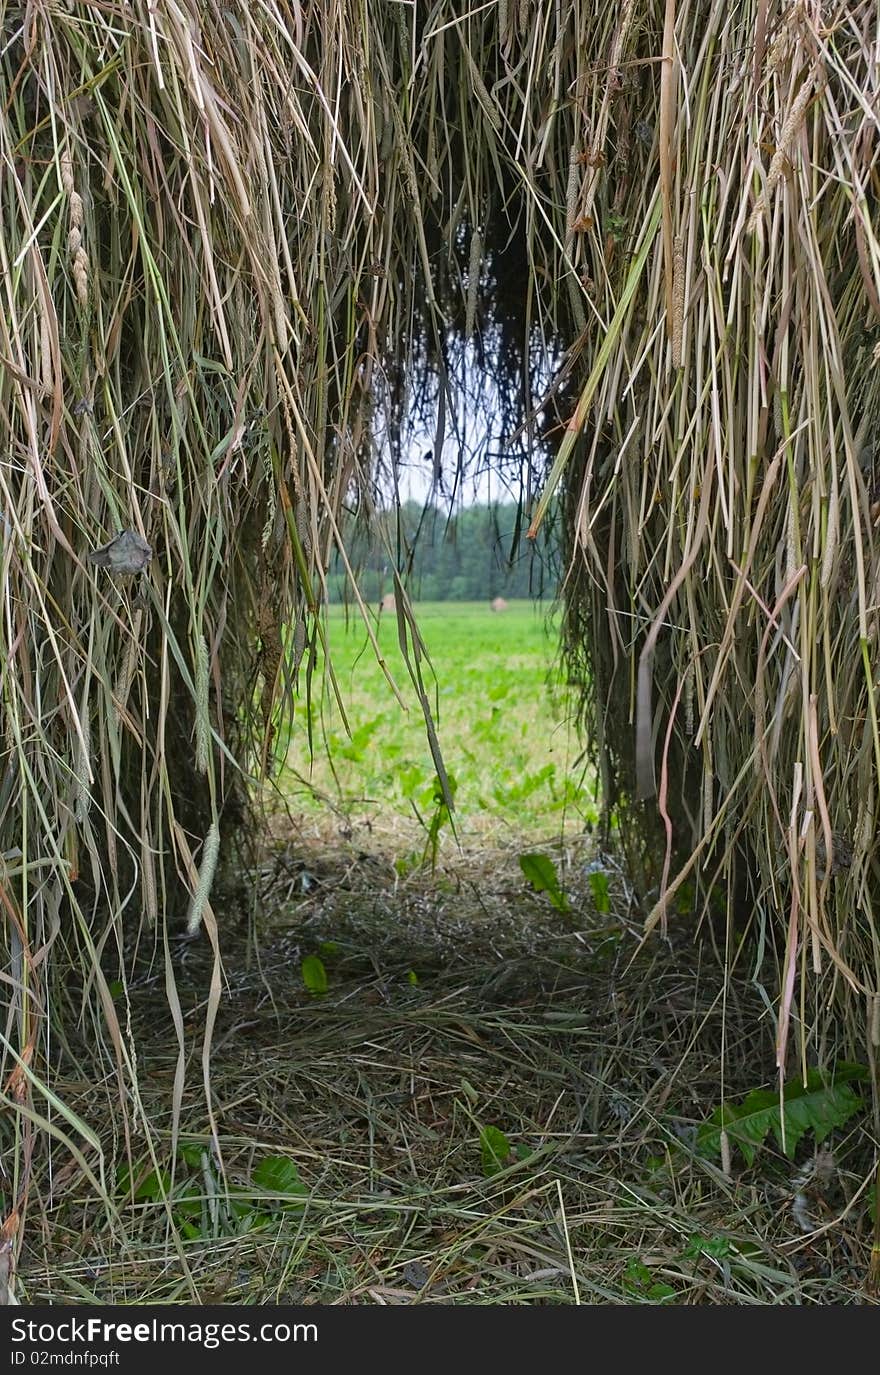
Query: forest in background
[[473, 554]]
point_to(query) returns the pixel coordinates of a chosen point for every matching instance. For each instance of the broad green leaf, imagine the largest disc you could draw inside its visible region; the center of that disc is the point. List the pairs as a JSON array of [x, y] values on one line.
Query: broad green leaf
[[151, 1186], [820, 1105], [660, 1292], [494, 1150], [278, 1175], [314, 974], [598, 882], [541, 873]]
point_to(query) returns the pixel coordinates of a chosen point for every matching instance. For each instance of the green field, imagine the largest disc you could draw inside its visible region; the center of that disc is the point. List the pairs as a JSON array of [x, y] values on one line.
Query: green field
[[505, 725]]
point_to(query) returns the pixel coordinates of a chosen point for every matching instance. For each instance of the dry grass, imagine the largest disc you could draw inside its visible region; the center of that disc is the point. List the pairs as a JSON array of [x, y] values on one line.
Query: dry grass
[[235, 241], [722, 506], [522, 1019]]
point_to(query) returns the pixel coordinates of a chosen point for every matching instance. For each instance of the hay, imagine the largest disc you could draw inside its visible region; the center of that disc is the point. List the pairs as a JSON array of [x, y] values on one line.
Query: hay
[[521, 1019], [236, 245], [723, 548]]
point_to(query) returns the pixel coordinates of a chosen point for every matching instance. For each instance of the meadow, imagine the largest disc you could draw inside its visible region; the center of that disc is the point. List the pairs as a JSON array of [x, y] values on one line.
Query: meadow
[[504, 719]]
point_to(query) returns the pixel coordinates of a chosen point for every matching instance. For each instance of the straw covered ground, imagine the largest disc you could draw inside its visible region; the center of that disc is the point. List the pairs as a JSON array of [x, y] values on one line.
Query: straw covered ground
[[356, 1125]]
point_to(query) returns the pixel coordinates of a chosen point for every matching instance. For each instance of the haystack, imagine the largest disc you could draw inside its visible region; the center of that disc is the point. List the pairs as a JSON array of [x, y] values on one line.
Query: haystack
[[239, 244]]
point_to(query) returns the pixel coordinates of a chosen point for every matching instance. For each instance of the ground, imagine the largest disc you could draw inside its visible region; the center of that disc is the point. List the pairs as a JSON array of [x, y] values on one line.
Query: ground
[[431, 1083]]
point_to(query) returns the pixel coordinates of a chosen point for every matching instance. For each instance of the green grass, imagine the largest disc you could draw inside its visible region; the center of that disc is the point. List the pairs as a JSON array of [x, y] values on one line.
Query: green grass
[[505, 728]]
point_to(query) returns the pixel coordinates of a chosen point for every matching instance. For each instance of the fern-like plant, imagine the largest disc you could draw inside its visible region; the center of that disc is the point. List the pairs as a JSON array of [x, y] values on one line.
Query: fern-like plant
[[823, 1102]]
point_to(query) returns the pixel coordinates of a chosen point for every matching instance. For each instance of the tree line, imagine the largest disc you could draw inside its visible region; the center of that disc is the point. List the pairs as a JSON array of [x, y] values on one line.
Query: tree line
[[476, 554]]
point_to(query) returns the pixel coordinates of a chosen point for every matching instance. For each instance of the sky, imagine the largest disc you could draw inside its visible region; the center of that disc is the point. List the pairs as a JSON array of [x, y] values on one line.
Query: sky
[[478, 464]]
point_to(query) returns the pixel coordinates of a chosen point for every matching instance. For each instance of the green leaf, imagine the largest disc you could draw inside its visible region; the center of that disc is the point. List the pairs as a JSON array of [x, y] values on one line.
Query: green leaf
[[151, 1186], [637, 1273], [407, 864], [826, 1101], [494, 1151], [639, 1280], [716, 1247], [278, 1175], [660, 1292], [314, 975], [190, 1202], [542, 875], [598, 882], [191, 1153]]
